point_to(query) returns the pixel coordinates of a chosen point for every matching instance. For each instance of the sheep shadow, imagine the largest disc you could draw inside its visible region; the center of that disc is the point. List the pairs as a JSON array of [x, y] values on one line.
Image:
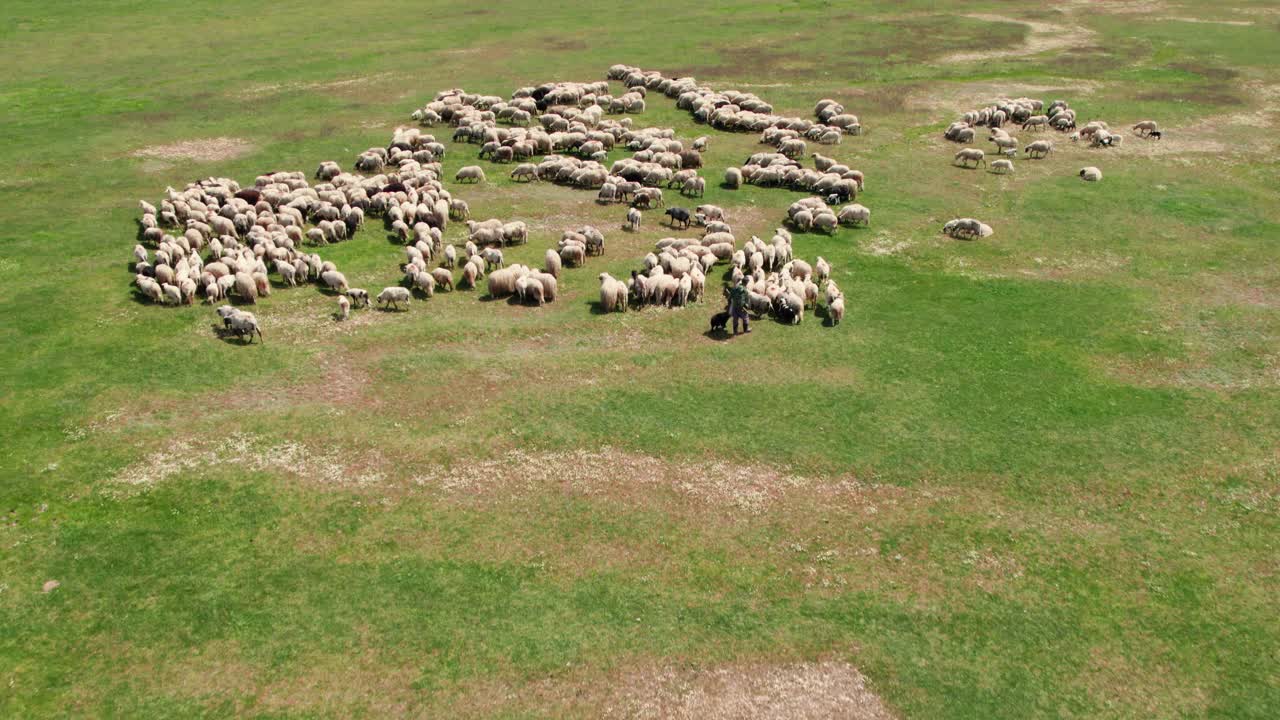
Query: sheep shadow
[[719, 335]]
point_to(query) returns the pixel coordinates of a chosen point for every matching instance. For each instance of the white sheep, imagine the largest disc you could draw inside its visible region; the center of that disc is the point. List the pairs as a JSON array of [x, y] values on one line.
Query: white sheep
[[1001, 166], [1090, 174], [633, 219], [854, 214], [393, 296], [965, 156], [344, 307], [835, 310], [613, 294], [474, 173]]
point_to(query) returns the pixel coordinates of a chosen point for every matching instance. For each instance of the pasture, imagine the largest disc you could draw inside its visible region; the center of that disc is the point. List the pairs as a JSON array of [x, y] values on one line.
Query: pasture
[[1029, 475]]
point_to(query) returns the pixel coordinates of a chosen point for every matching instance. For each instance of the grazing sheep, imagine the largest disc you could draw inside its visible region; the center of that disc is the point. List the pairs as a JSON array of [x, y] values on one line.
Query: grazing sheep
[[966, 155], [244, 324], [551, 263], [459, 210], [1001, 166], [694, 187], [826, 222], [359, 296], [473, 173], [344, 307], [246, 288], [821, 269], [492, 258], [450, 256], [679, 215], [334, 280], [443, 278], [393, 296], [633, 219], [700, 143], [613, 294], [854, 214], [1038, 149], [1091, 174], [525, 171], [470, 274]]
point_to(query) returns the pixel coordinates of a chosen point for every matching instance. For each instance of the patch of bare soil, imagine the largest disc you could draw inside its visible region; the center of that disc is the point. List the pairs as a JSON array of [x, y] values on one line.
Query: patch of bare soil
[[746, 691], [609, 472], [1042, 37], [210, 150], [263, 90], [796, 691]]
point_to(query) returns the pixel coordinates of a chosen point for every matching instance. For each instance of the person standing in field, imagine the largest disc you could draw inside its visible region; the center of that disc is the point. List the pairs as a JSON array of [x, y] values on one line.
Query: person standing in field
[[738, 306]]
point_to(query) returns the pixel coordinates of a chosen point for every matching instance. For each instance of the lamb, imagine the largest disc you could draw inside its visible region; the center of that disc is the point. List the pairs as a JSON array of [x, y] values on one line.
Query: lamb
[[458, 209], [1001, 166], [970, 154], [1091, 174], [855, 214], [613, 294], [393, 296], [473, 173], [1038, 149], [633, 219], [344, 307]]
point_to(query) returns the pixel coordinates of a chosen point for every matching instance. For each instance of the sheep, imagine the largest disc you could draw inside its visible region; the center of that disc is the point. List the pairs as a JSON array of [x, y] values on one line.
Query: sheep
[[393, 296], [344, 307], [450, 256], [470, 274], [821, 269], [1038, 149], [473, 173], [573, 255], [1001, 166], [835, 310], [492, 258], [855, 214], [1146, 128], [525, 171], [443, 278], [503, 282], [550, 286], [172, 293], [970, 154], [826, 222], [359, 296], [613, 294], [633, 219], [459, 210], [244, 324], [694, 186], [334, 280], [1090, 174], [245, 287], [732, 178], [967, 228], [551, 263], [700, 143]]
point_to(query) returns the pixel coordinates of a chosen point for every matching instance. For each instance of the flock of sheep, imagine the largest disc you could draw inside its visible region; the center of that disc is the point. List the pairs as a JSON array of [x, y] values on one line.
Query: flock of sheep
[[1029, 115], [220, 241]]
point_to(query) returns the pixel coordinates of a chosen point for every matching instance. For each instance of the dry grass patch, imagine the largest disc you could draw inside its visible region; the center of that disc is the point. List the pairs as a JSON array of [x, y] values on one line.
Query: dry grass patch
[[748, 691], [1042, 37], [210, 150]]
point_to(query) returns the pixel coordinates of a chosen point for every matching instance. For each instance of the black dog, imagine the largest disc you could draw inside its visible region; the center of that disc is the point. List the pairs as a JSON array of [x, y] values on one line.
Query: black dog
[[719, 320], [1155, 134]]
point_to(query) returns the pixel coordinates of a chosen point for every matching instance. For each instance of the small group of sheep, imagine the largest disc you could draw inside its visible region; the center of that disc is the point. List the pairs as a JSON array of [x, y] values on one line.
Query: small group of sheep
[[813, 214], [527, 285], [787, 286], [828, 178], [575, 247]]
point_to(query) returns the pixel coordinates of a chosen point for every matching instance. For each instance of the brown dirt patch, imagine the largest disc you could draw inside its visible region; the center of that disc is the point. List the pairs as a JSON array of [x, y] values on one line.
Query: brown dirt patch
[[210, 150], [747, 690]]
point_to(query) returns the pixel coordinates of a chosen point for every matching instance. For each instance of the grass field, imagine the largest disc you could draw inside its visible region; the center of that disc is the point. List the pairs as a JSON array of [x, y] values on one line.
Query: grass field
[[1031, 476]]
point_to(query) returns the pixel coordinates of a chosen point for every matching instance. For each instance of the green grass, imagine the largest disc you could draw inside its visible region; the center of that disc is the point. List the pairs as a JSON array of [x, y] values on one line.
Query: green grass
[[1064, 435]]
